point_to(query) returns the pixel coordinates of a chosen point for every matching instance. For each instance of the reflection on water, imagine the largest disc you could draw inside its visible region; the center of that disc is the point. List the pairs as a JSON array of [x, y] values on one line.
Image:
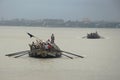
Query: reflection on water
[[101, 60]]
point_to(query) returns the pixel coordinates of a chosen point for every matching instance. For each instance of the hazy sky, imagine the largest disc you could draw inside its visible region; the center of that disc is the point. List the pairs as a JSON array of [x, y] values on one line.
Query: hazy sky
[[61, 9]]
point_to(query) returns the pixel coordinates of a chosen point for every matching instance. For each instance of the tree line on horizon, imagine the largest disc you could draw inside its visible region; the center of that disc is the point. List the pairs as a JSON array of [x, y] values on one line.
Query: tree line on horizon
[[59, 23]]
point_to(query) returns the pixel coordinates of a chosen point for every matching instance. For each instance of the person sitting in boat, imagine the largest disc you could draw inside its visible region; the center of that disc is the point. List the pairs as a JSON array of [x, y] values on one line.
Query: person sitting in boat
[[43, 45], [49, 47], [52, 38], [46, 47], [33, 46], [48, 41]]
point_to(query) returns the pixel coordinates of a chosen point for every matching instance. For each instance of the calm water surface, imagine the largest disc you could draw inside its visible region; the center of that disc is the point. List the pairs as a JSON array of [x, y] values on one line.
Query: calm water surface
[[101, 60]]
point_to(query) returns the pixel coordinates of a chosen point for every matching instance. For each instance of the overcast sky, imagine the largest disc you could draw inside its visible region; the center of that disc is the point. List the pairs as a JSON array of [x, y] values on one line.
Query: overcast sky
[[108, 10]]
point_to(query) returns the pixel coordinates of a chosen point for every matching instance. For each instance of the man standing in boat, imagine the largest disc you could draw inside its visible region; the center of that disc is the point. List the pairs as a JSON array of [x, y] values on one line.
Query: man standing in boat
[[52, 38]]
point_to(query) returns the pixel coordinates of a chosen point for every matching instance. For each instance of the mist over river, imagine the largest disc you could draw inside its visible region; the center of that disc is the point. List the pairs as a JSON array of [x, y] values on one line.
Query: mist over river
[[101, 60]]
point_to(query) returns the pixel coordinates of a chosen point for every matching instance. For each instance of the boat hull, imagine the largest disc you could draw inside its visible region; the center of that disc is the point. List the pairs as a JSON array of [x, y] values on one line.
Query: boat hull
[[54, 52], [45, 54], [93, 36]]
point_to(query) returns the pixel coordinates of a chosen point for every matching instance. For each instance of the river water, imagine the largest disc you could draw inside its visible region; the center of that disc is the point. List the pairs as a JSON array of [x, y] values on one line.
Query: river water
[[101, 60]]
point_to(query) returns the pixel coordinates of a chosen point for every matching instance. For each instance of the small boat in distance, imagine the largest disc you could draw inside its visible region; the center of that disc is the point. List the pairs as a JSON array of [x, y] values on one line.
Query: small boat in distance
[[93, 35]]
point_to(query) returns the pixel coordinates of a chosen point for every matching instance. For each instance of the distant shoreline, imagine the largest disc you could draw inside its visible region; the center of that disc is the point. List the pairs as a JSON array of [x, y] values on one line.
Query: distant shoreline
[[61, 27], [59, 23]]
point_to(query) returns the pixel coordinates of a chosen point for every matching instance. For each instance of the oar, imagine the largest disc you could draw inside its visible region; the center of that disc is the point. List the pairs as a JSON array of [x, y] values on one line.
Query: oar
[[20, 55], [72, 54], [31, 35], [67, 56], [16, 53]]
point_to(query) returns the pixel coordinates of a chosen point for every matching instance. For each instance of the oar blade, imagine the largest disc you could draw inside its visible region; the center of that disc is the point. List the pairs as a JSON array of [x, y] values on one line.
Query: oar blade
[[30, 35], [16, 53], [20, 55], [68, 56], [73, 54]]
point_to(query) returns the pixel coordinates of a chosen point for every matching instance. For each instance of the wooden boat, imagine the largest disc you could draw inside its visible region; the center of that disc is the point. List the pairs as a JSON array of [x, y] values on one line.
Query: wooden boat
[[93, 36], [42, 49]]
